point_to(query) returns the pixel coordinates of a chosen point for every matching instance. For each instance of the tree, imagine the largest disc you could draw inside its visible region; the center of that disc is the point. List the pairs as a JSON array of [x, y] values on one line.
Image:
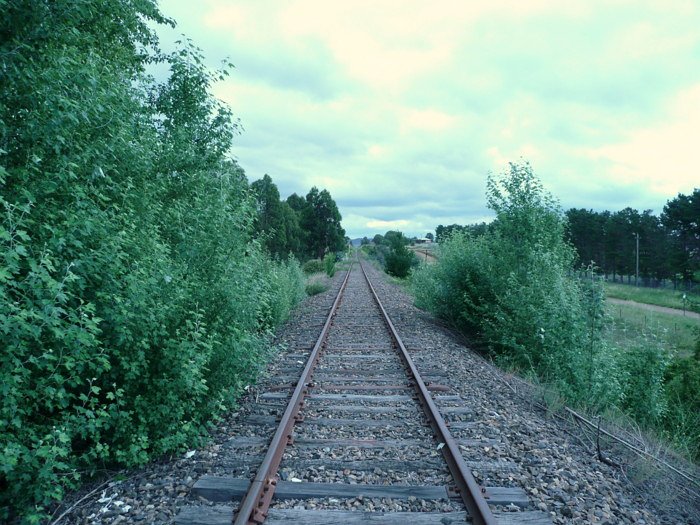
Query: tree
[[271, 219], [297, 203], [430, 236], [585, 231], [321, 221], [512, 287], [395, 238], [443, 232], [294, 236], [681, 216]]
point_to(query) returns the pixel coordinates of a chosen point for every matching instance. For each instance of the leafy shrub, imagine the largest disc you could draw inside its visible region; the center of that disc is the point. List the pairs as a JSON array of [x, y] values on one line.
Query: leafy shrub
[[399, 261], [134, 303], [513, 288], [644, 365], [510, 286], [313, 266], [391, 252], [329, 264], [682, 388]]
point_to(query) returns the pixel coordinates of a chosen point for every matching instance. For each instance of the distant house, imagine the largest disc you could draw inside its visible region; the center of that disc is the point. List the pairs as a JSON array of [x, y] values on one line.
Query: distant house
[[423, 240]]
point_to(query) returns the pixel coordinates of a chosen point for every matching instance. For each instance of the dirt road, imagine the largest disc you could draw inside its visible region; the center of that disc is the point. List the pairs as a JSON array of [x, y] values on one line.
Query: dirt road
[[655, 308]]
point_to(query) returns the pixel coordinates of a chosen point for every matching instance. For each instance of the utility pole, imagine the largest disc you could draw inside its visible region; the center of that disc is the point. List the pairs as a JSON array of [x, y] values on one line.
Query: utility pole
[[636, 278]]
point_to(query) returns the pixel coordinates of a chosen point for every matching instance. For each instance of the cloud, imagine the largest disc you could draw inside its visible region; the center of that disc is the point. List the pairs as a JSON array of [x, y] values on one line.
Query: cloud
[[661, 158], [386, 225], [402, 109]]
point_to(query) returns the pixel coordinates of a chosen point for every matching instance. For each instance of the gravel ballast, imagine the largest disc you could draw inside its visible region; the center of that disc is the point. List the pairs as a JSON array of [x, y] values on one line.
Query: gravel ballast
[[508, 441]]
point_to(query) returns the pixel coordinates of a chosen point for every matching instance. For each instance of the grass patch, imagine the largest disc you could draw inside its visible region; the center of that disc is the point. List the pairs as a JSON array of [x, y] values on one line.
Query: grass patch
[[632, 324], [343, 265], [657, 296], [317, 283]]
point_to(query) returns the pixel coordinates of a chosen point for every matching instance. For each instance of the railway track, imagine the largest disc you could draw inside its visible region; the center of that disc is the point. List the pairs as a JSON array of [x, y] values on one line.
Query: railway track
[[349, 423]]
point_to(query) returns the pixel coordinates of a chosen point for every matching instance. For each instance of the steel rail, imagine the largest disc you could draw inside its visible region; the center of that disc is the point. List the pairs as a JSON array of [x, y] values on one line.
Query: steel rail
[[469, 490], [253, 508]]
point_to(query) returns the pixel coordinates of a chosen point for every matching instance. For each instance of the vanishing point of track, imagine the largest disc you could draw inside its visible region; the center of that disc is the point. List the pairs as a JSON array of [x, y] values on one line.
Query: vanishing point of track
[[359, 375]]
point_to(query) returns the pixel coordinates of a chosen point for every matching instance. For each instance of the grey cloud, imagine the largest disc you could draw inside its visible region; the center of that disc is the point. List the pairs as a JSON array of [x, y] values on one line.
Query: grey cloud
[[552, 86]]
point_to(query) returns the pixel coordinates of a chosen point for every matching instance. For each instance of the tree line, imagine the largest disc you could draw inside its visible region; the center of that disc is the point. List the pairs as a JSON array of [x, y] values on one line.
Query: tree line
[[669, 244], [140, 277], [307, 227]]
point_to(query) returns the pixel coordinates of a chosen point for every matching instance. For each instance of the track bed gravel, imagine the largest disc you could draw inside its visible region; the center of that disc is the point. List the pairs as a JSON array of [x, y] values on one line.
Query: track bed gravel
[[505, 440]]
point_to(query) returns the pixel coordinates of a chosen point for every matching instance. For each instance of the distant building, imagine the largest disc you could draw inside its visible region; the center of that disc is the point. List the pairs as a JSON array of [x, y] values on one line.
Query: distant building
[[423, 240]]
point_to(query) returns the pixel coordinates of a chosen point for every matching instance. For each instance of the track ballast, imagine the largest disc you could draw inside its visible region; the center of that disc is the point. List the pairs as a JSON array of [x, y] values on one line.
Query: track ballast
[[348, 419]]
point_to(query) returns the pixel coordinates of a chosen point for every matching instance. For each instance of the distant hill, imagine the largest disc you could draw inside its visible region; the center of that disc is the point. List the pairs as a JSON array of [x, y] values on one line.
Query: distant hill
[[356, 242]]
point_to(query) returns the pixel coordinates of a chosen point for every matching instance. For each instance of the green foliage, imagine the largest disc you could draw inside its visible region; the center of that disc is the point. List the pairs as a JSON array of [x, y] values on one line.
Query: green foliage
[[669, 245], [644, 366], [391, 252], [275, 221], [512, 287], [134, 302], [399, 261], [682, 418], [321, 221], [329, 264], [442, 233], [307, 227], [313, 266]]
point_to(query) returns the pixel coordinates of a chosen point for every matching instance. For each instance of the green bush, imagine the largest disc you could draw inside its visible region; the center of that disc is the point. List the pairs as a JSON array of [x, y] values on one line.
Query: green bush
[[511, 287], [313, 266], [681, 422], [399, 261], [134, 303], [391, 252], [644, 365], [329, 264]]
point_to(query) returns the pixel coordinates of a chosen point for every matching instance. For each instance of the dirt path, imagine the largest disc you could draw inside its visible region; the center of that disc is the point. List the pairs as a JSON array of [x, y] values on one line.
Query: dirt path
[[656, 308]]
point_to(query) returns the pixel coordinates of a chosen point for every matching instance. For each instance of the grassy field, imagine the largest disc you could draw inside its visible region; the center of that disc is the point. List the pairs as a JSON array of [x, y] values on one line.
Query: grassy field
[[630, 324], [657, 296]]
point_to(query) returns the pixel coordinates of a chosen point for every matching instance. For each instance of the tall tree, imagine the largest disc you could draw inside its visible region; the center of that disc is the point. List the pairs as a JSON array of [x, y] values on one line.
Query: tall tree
[[297, 203], [585, 231], [270, 216], [321, 220], [681, 216]]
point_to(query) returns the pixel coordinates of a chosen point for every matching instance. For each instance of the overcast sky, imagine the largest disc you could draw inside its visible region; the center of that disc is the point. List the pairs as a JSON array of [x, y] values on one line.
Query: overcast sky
[[401, 108]]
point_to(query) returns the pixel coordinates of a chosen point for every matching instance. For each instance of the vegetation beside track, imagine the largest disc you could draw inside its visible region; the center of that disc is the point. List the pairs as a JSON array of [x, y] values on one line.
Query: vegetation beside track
[[392, 253], [511, 287], [140, 277]]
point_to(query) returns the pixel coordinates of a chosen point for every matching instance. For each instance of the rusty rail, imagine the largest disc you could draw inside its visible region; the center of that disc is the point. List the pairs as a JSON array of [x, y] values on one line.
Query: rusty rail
[[468, 488], [253, 508]]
